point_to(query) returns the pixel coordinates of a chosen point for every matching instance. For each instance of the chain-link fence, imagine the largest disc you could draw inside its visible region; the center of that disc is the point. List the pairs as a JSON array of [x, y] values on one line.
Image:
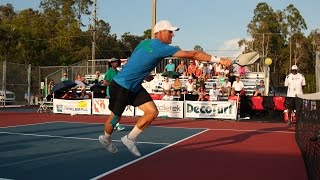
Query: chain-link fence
[[19, 84], [55, 73]]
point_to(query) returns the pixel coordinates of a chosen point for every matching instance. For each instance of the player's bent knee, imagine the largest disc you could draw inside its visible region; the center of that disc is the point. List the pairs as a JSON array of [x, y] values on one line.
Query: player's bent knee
[[152, 114]]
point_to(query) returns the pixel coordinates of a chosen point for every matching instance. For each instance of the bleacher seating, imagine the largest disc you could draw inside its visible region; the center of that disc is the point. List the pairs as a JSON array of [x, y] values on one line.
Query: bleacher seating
[[250, 82], [91, 78]]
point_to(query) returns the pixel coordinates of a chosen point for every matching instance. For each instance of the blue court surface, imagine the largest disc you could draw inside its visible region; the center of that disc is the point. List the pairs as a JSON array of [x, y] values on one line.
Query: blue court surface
[[65, 150]]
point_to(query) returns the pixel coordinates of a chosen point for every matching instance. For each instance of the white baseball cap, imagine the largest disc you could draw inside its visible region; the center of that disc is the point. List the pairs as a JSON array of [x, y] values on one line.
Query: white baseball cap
[[164, 25], [294, 67]]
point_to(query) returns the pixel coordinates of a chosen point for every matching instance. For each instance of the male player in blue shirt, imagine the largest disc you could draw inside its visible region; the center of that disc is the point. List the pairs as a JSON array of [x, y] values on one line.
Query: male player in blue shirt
[[126, 88]]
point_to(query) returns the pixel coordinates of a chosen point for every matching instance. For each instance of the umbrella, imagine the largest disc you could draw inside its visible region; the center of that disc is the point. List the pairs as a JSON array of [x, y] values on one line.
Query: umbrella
[[98, 86], [63, 86], [247, 59], [171, 74], [79, 83]]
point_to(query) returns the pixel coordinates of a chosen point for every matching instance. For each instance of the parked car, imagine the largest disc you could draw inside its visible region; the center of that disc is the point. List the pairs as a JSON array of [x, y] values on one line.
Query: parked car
[[9, 97]]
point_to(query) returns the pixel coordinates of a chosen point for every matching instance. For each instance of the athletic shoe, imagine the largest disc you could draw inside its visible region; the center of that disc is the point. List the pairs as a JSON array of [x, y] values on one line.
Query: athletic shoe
[[120, 127], [131, 145], [108, 145]]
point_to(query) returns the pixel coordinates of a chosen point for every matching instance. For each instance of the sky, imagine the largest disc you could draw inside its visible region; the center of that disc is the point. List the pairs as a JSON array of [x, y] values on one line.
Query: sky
[[215, 25]]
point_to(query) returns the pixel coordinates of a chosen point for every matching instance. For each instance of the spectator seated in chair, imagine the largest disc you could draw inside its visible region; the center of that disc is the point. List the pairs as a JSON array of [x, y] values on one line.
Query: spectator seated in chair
[[69, 94], [168, 97], [237, 87], [225, 87], [190, 85], [260, 89], [214, 93], [166, 86], [177, 87]]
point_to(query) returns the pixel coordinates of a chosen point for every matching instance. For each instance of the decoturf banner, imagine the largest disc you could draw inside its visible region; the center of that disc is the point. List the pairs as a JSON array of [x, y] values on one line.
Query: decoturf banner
[[210, 109]]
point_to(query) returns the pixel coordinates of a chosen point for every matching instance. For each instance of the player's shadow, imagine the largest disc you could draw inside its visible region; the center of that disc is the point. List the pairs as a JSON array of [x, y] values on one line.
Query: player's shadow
[[236, 138]]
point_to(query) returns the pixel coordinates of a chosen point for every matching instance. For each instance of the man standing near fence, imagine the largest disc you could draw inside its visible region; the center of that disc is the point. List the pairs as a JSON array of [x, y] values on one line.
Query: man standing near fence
[[108, 77], [295, 82], [126, 88]]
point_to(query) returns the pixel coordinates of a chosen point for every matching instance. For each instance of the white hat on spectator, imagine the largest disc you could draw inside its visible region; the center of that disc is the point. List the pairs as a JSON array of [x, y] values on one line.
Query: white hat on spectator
[[164, 25], [294, 67]]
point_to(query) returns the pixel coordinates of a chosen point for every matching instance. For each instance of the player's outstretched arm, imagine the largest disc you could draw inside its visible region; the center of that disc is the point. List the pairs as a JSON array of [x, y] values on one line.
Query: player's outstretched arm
[[202, 56]]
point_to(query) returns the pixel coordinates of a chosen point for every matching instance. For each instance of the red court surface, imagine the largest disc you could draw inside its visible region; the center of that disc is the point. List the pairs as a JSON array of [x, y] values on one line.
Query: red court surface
[[226, 150]]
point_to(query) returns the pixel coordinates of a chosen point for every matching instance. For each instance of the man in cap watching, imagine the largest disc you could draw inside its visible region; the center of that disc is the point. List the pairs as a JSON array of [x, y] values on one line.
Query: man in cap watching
[[113, 64], [126, 88], [295, 82]]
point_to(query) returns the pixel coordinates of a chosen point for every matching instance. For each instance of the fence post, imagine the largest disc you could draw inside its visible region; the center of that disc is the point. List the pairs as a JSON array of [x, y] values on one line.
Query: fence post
[[4, 73], [317, 71], [46, 86], [29, 84]]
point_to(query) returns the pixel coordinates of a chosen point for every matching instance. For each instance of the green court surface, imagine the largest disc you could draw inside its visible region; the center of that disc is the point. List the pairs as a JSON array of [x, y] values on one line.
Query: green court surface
[[64, 150]]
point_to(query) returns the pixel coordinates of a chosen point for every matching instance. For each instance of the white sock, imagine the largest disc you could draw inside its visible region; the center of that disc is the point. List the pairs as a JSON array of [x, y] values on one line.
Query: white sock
[[134, 133], [107, 137]]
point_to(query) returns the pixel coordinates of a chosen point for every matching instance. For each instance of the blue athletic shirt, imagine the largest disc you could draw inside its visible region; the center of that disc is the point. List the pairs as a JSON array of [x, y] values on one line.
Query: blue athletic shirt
[[143, 60]]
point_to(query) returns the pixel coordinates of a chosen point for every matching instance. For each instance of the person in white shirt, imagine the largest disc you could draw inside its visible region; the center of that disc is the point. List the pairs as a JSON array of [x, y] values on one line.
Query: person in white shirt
[[166, 85], [168, 97], [190, 85], [237, 86], [225, 87], [214, 93], [295, 82]]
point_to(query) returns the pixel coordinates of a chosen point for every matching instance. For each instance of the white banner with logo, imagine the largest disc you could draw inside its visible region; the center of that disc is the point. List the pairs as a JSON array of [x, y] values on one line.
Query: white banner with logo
[[100, 106], [64, 106], [211, 109], [166, 109]]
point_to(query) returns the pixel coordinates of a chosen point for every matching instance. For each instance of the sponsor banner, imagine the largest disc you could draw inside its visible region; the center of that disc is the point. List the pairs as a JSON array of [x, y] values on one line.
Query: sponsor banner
[[211, 109], [100, 106], [72, 106], [166, 108]]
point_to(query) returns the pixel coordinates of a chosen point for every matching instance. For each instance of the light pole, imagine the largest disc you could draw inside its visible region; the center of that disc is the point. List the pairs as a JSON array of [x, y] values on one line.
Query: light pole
[[154, 14]]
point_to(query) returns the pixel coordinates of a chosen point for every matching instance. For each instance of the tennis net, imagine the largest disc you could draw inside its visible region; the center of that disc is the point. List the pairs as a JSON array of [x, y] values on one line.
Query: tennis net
[[308, 132]]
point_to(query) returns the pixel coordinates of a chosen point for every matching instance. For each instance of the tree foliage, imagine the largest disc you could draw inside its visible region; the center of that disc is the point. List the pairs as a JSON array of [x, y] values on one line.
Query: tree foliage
[[55, 35], [274, 32]]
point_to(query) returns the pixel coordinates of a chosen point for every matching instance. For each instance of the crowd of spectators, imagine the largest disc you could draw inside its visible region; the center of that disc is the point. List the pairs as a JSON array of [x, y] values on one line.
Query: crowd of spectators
[[226, 82]]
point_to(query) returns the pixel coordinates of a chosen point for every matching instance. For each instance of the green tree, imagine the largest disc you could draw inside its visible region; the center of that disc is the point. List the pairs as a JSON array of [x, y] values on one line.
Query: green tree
[[198, 48]]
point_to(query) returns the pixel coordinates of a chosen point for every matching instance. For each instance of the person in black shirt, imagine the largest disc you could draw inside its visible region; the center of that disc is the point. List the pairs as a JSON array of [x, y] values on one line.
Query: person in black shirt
[[231, 77]]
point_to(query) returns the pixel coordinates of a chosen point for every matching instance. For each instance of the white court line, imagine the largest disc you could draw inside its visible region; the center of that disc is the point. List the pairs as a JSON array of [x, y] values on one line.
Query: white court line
[[5, 179], [70, 137], [250, 130], [143, 157], [133, 125], [22, 125]]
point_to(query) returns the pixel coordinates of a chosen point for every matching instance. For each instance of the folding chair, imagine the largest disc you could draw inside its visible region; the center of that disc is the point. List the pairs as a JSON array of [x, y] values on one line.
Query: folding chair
[[279, 107], [257, 106], [46, 105], [279, 103]]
